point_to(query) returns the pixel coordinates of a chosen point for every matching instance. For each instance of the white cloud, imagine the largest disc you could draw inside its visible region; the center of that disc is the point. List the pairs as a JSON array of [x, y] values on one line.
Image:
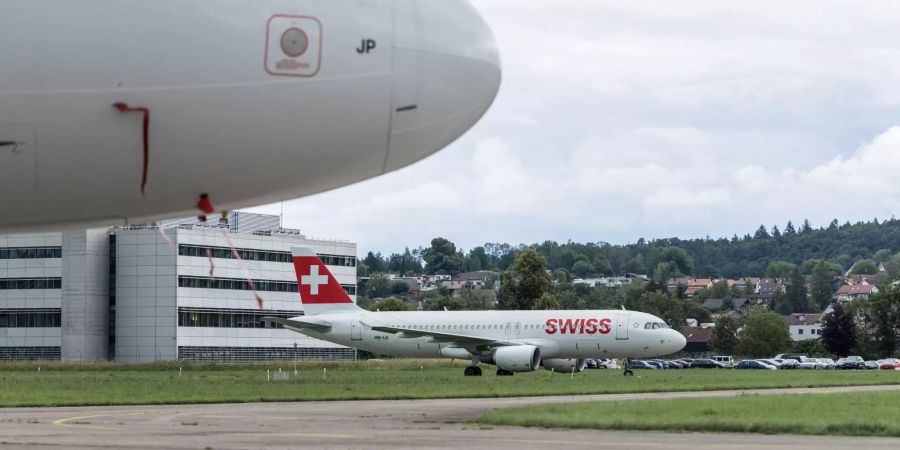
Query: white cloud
[[619, 120]]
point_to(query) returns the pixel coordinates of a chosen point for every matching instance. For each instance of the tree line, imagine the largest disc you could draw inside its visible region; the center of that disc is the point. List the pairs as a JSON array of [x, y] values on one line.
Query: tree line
[[861, 246]]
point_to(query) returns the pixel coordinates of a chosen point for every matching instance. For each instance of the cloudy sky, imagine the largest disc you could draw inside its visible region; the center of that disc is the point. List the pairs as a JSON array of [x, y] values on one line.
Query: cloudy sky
[[620, 120]]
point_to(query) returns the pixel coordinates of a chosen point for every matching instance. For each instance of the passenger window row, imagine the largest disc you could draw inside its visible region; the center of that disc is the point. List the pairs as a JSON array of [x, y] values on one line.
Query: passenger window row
[[439, 327]]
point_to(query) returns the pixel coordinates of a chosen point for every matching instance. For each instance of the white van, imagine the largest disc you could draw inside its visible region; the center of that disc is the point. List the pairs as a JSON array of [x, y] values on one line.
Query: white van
[[726, 361]]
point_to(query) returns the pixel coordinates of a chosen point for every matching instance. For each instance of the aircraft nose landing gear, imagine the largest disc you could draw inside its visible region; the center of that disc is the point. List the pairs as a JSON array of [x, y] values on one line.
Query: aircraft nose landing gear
[[628, 371]]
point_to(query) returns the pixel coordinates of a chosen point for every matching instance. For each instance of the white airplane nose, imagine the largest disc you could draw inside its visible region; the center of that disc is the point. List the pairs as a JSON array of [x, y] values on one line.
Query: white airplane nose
[[446, 74], [679, 340]]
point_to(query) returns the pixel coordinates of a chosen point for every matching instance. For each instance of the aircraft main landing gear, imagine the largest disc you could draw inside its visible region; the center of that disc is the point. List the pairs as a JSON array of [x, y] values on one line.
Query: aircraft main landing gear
[[504, 373], [473, 370], [628, 371]]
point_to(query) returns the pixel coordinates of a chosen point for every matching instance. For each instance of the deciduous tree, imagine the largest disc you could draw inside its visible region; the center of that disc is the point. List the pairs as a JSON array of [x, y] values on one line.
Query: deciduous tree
[[821, 284], [764, 334], [839, 331], [521, 287], [392, 304], [724, 338], [441, 257]]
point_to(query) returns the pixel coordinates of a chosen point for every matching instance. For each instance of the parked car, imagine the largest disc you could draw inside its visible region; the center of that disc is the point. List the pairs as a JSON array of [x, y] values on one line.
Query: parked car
[[657, 363], [871, 365], [675, 364], [754, 364], [686, 362], [889, 364], [727, 361], [788, 363], [825, 363], [706, 364], [807, 363], [606, 364], [795, 356], [777, 364], [850, 363], [858, 359], [638, 364]]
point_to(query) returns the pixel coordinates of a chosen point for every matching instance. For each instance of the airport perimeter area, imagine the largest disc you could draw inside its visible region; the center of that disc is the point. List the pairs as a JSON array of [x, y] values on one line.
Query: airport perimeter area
[[63, 384], [437, 423]]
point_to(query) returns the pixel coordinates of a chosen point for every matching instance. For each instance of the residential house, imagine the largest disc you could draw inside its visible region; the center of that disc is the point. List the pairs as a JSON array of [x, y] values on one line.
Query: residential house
[[762, 300], [694, 286], [768, 286], [862, 279], [477, 277], [697, 339], [672, 284], [604, 281], [804, 326], [731, 304], [850, 292]]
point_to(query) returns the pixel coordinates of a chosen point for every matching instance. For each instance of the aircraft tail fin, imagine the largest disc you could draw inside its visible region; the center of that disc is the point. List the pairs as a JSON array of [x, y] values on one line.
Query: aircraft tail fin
[[319, 290]]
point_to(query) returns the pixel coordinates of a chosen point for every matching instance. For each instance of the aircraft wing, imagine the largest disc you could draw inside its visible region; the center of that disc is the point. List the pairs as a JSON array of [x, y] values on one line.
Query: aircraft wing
[[442, 337], [301, 322]]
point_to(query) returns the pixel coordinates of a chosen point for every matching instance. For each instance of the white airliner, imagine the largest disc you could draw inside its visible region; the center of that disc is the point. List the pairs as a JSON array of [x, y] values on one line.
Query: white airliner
[[116, 111], [514, 341]]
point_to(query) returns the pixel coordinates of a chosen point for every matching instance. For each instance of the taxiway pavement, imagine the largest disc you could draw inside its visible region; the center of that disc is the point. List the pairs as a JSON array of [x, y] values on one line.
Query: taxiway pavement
[[392, 424]]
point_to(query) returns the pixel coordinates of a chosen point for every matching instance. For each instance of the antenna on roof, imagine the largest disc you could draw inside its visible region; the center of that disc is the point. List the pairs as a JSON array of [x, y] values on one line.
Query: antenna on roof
[[623, 308], [445, 309]]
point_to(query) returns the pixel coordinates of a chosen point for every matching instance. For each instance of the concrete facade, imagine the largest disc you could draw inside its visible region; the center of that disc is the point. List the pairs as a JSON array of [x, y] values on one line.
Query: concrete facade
[[160, 287], [136, 294], [28, 257], [85, 295]]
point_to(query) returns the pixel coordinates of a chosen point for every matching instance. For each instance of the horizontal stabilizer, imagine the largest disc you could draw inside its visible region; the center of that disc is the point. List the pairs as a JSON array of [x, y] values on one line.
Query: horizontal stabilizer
[[300, 322]]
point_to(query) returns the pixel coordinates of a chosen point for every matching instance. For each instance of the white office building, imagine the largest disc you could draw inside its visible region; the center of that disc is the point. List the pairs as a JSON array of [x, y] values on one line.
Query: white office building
[[140, 294], [803, 326]]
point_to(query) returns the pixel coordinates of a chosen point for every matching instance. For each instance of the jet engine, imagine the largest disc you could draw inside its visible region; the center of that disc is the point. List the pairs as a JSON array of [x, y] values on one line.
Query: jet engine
[[518, 358], [564, 365]]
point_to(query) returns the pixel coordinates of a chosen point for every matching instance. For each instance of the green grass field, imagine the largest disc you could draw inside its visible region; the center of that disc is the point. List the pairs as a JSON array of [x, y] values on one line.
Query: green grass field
[[57, 384], [857, 414]]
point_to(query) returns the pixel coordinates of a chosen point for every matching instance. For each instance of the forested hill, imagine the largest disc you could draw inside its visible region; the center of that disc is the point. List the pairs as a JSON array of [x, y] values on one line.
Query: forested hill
[[749, 255]]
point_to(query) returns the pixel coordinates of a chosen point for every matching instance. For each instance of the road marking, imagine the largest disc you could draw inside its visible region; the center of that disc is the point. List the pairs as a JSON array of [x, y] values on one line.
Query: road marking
[[67, 422]]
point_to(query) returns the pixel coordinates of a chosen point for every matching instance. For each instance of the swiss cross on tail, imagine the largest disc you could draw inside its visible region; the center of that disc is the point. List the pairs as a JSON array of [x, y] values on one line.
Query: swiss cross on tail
[[317, 285]]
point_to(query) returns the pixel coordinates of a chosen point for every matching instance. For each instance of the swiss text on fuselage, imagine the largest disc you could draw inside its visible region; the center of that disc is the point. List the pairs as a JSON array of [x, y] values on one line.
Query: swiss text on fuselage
[[578, 326]]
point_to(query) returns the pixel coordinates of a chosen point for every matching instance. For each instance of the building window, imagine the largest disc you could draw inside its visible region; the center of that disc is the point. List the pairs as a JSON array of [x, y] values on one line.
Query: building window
[[30, 283], [230, 318], [30, 318], [239, 284], [259, 255], [800, 331], [30, 252]]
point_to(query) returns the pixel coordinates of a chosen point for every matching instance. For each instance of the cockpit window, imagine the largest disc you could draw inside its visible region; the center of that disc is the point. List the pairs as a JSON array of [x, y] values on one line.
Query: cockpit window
[[648, 325], [655, 325]]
